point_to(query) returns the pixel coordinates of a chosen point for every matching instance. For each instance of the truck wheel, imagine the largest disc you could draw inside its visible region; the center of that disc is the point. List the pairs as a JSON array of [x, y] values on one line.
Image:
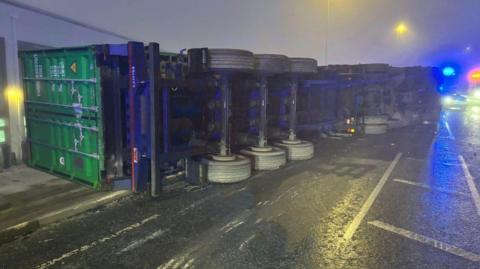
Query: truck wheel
[[271, 63], [297, 150], [231, 59], [303, 65], [227, 170], [268, 158]]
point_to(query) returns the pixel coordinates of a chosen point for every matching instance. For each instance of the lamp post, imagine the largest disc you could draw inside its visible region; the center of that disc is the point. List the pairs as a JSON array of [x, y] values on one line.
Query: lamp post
[[327, 30]]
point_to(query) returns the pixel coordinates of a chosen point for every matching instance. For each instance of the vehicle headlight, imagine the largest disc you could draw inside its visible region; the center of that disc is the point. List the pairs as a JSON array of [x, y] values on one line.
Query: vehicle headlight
[[475, 110], [476, 94], [447, 100]]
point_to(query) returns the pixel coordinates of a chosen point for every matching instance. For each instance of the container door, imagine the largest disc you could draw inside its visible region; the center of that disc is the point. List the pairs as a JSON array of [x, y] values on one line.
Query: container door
[[63, 110]]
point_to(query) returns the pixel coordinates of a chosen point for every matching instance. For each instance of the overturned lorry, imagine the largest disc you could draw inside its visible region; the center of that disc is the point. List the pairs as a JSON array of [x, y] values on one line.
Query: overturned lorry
[[109, 114]]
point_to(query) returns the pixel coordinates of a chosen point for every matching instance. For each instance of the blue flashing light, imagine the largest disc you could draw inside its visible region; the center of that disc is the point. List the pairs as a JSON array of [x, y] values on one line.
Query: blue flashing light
[[448, 71]]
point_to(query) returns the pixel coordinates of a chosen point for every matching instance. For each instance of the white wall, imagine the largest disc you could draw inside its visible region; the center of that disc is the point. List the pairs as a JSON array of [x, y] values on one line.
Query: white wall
[[42, 29], [19, 24]]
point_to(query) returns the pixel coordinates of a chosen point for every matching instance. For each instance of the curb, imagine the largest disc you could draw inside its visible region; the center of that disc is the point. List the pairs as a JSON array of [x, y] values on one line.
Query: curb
[[11, 233]]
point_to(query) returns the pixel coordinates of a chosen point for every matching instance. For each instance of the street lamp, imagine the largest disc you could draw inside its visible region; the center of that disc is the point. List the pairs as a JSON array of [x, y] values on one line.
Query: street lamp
[[401, 29], [327, 32]]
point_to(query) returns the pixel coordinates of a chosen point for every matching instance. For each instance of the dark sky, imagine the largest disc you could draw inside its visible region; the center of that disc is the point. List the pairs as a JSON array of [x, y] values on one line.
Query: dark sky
[[361, 31]]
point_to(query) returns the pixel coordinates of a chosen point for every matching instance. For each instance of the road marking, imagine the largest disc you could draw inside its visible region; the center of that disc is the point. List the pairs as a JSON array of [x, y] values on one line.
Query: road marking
[[168, 264], [177, 263], [186, 260], [97, 242], [189, 263], [137, 243], [471, 184], [294, 195], [450, 134], [426, 186], [245, 243], [427, 241], [352, 228], [263, 203], [276, 216], [232, 225], [283, 194]]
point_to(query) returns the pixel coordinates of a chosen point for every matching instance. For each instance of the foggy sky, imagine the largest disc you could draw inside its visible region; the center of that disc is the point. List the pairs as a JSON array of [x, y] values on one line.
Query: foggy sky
[[361, 31]]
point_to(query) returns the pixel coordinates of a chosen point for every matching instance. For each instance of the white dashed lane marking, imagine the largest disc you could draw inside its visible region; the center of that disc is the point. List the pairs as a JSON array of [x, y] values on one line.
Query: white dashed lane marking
[[352, 228], [450, 134], [427, 241], [428, 187], [471, 184]]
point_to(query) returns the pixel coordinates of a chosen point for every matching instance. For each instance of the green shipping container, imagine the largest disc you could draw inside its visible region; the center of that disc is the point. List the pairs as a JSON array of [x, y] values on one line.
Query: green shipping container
[[68, 94]]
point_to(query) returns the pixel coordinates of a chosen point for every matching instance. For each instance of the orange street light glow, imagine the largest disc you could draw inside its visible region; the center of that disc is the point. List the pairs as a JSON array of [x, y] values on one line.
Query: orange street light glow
[[474, 75]]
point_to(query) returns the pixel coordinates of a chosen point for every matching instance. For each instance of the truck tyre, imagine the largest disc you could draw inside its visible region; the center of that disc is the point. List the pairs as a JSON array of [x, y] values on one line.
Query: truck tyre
[[297, 150], [303, 65], [230, 59], [228, 170], [271, 63], [271, 159]]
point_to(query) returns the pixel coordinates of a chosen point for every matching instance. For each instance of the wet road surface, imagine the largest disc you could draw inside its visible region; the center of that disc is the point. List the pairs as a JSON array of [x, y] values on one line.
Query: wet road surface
[[408, 199]]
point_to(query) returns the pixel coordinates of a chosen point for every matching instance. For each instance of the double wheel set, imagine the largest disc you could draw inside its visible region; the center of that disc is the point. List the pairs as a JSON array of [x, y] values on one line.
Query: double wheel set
[[226, 167], [234, 168]]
